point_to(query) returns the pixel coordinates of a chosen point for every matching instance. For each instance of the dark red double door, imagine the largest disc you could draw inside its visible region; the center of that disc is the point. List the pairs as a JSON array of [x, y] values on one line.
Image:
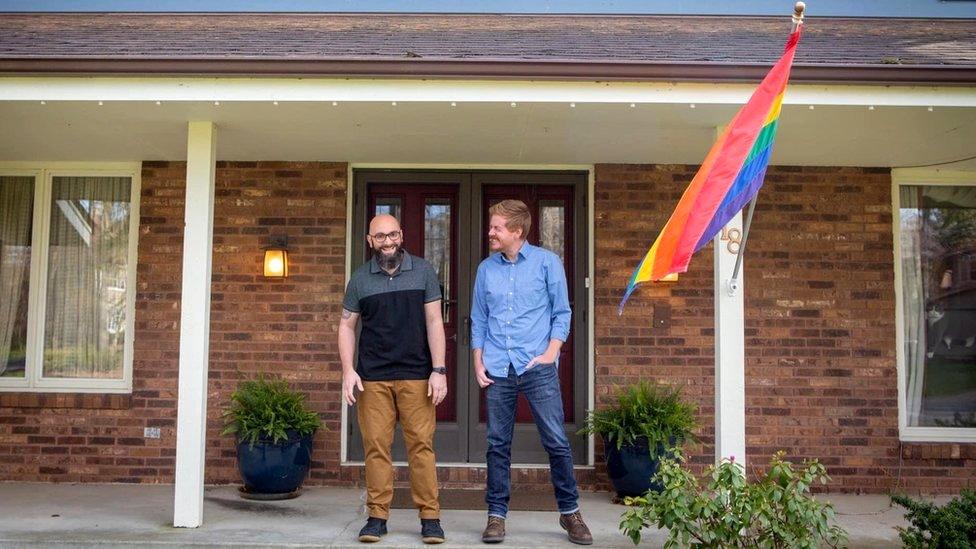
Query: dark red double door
[[444, 219]]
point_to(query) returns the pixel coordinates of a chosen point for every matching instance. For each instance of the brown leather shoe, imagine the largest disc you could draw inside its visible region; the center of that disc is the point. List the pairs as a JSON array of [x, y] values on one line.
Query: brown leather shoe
[[495, 531], [576, 528]]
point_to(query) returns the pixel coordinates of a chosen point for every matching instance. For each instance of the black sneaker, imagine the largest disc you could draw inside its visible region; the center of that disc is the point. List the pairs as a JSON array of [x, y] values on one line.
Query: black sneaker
[[431, 531], [375, 529]]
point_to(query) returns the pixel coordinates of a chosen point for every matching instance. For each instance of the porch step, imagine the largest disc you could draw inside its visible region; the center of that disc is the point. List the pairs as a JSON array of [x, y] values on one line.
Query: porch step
[[474, 500]]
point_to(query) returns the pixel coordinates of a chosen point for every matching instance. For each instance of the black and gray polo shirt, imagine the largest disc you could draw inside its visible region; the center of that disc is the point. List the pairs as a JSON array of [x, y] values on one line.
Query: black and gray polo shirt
[[393, 341]]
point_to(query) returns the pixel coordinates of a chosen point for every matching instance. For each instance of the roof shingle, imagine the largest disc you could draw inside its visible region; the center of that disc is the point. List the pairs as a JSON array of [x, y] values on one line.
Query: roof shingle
[[880, 43]]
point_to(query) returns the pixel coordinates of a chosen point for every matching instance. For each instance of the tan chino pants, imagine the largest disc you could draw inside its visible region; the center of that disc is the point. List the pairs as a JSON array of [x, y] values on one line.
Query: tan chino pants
[[378, 407]]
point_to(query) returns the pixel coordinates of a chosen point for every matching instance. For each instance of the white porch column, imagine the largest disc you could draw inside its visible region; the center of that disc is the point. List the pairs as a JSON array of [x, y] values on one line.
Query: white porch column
[[730, 399], [191, 420]]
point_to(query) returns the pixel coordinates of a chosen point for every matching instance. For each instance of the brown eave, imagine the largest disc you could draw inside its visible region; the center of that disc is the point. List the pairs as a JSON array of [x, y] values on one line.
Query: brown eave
[[490, 68]]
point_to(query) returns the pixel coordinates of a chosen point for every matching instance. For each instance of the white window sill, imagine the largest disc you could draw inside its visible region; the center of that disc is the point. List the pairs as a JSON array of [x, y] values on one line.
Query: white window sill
[[939, 434]]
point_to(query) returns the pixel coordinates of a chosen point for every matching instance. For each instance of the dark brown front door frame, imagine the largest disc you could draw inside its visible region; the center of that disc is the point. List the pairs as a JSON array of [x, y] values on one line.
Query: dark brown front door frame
[[467, 436]]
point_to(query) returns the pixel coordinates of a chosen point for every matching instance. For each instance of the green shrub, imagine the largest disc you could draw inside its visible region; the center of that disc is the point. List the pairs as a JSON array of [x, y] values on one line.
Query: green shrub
[[951, 526], [776, 512], [267, 409], [645, 411]]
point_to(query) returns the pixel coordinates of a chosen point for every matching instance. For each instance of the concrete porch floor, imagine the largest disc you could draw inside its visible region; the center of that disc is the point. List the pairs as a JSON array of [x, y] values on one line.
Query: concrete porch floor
[[116, 515]]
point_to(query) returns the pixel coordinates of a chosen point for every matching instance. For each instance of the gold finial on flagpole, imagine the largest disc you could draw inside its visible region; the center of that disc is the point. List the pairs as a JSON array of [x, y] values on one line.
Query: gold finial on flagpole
[[798, 10]]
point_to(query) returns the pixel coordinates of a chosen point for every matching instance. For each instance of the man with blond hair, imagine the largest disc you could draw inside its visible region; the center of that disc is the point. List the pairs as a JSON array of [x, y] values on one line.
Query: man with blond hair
[[400, 372], [519, 320]]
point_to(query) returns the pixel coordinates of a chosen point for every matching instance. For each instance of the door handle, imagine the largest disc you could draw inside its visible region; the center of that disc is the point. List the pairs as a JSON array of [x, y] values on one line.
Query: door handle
[[466, 331], [446, 305]]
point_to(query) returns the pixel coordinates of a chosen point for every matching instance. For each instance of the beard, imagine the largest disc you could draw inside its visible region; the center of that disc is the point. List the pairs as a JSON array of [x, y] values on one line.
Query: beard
[[389, 261]]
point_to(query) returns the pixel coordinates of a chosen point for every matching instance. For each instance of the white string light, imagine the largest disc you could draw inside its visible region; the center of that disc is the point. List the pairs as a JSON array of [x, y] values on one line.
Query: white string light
[[514, 104], [335, 103]]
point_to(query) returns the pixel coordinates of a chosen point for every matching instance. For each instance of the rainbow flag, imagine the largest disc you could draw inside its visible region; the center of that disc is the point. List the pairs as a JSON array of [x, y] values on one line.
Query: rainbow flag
[[728, 179]]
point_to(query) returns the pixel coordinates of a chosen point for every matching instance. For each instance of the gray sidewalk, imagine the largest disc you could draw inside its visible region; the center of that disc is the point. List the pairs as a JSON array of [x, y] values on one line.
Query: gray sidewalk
[[116, 515]]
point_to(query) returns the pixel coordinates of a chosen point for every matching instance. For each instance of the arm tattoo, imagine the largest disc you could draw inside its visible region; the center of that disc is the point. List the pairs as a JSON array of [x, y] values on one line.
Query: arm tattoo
[[346, 315]]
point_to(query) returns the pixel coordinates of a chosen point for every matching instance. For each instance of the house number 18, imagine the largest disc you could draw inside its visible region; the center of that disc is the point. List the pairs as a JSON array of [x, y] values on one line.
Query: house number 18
[[734, 238]]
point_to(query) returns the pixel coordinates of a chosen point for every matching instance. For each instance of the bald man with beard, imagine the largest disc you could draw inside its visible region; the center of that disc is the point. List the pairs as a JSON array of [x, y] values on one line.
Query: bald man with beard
[[400, 372]]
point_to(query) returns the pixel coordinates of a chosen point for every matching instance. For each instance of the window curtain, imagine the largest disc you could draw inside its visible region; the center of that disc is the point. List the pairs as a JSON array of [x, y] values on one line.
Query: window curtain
[[16, 211], [84, 330], [913, 313]]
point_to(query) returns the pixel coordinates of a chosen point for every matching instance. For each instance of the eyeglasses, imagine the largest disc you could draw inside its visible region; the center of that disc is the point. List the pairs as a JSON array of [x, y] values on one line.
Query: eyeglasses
[[381, 237]]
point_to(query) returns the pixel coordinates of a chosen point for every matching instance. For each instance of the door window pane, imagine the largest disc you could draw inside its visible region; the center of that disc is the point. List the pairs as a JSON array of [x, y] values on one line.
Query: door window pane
[[552, 227], [938, 251], [85, 316], [388, 206], [437, 243], [16, 211]]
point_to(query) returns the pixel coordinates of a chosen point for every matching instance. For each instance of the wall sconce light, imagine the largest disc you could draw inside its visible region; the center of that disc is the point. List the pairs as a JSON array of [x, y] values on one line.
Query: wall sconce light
[[276, 257]]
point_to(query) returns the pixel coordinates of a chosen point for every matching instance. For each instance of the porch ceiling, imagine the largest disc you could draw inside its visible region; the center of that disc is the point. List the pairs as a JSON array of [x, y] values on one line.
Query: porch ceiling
[[476, 132]]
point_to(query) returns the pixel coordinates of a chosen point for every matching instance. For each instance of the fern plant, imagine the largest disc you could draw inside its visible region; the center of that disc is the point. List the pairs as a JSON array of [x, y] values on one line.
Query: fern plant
[[643, 411], [268, 410]]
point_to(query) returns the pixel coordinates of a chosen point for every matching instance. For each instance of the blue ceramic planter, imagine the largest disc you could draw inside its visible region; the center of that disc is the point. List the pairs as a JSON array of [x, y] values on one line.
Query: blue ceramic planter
[[631, 467], [274, 468]]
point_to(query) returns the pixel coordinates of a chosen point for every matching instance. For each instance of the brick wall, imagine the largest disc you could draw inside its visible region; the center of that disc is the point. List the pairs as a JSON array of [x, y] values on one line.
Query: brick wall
[[821, 378], [286, 327], [632, 202]]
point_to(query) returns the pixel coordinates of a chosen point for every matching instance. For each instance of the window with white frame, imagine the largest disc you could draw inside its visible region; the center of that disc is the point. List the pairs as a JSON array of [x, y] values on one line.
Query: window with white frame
[[936, 247], [67, 272]]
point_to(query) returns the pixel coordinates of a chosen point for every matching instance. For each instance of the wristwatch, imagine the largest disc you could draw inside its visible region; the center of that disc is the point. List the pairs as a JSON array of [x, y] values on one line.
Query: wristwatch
[[440, 370]]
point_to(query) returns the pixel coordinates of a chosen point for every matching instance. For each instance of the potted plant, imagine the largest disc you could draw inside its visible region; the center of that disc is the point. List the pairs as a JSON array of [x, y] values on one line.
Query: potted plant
[[274, 430], [645, 424]]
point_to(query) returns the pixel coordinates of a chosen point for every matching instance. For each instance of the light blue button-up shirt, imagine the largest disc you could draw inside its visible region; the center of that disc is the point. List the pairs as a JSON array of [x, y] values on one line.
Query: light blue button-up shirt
[[518, 307]]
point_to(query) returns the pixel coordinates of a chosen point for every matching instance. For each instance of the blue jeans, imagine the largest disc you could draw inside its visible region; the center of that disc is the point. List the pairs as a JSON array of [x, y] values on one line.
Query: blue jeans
[[540, 385]]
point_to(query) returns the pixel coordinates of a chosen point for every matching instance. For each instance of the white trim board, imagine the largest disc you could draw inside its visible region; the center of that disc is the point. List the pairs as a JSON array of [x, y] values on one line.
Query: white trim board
[[918, 176], [591, 305], [189, 89]]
